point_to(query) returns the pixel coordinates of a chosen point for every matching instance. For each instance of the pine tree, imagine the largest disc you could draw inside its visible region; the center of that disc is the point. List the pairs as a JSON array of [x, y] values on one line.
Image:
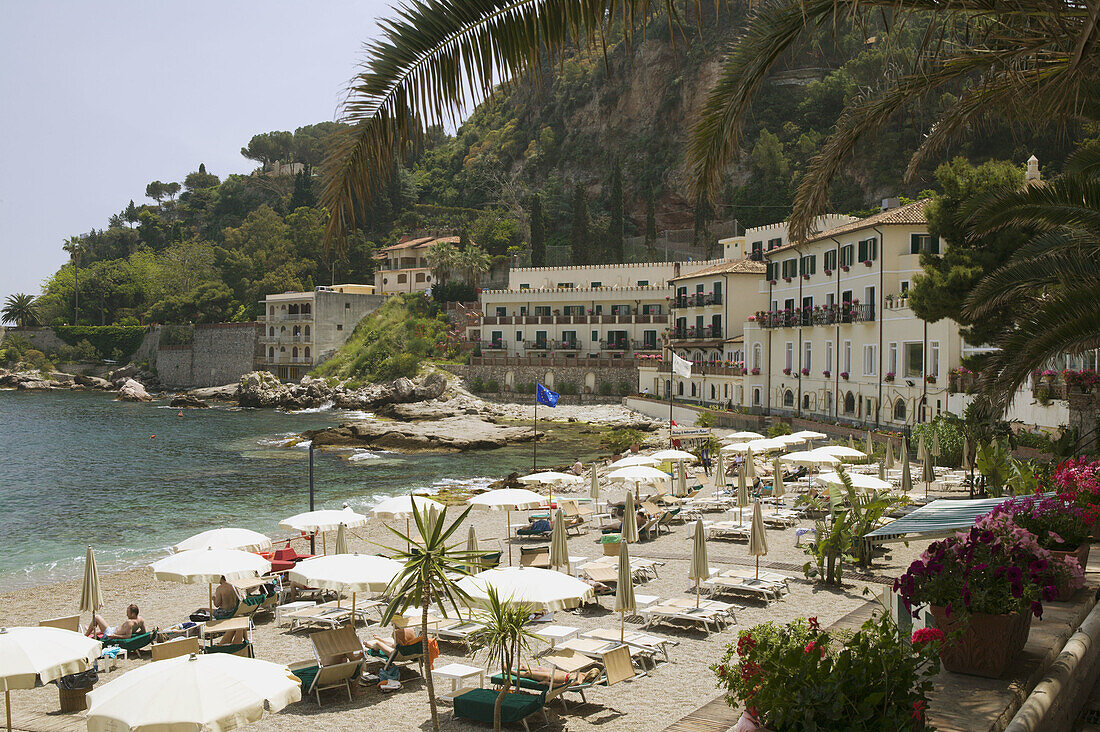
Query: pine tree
[[615, 251], [578, 235], [303, 192], [538, 233]]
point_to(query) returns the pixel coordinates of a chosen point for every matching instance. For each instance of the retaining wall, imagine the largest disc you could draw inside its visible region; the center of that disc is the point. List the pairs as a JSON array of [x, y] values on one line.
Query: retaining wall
[[586, 377], [219, 353]]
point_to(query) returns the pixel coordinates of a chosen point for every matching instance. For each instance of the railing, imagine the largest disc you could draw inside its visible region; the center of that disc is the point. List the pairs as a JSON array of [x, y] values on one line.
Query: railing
[[547, 360], [573, 319], [704, 333], [695, 300], [821, 315], [286, 339], [553, 345], [703, 368], [290, 316]]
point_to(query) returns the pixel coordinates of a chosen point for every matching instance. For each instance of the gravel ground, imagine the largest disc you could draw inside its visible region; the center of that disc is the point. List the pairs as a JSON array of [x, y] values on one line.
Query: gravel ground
[[646, 703]]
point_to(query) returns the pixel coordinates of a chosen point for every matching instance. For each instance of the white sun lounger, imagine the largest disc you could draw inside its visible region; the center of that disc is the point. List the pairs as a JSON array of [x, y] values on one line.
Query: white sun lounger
[[727, 609], [457, 630], [703, 617], [642, 641], [761, 589], [727, 530], [595, 648], [746, 573]]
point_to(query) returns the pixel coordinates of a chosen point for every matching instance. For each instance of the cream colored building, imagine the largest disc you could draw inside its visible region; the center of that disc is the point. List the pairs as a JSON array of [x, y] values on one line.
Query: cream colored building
[[404, 266], [582, 311], [302, 329]]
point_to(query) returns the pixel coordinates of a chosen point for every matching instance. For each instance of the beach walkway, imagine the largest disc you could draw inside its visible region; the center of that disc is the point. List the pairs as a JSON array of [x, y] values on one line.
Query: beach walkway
[[31, 721]]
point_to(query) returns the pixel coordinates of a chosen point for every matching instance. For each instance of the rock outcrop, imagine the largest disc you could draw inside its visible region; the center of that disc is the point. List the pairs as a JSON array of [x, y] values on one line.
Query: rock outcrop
[[92, 382], [262, 389], [189, 401], [133, 391], [228, 391], [450, 434]]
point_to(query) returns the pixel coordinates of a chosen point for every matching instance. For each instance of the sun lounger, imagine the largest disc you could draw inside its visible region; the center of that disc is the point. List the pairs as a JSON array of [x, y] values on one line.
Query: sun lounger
[[215, 628], [457, 630], [70, 623], [235, 649], [534, 556], [402, 655], [338, 657], [760, 589], [726, 609], [603, 573], [283, 560], [133, 644], [727, 530], [331, 614], [597, 648], [703, 617], [651, 644], [478, 704], [175, 648]]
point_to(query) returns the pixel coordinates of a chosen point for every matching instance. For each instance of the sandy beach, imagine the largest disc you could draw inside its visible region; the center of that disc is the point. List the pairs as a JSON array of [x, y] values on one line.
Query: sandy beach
[[649, 702]]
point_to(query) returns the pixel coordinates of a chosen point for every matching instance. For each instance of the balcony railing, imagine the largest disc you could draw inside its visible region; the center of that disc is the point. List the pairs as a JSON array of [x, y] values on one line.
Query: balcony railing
[[706, 368], [494, 345], [821, 315], [290, 316], [696, 300], [574, 319], [707, 332]]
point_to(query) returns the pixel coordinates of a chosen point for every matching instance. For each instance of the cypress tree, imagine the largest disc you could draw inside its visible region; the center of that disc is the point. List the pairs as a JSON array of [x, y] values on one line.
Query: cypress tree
[[538, 233], [578, 235], [615, 207]]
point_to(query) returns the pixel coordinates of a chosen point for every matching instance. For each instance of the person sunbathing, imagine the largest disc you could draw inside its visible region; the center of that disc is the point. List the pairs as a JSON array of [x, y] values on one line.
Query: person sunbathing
[[134, 623], [225, 606], [556, 678], [402, 636], [538, 525], [640, 520]]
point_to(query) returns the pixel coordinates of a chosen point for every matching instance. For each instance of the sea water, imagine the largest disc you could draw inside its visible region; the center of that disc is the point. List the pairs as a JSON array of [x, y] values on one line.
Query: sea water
[[132, 479]]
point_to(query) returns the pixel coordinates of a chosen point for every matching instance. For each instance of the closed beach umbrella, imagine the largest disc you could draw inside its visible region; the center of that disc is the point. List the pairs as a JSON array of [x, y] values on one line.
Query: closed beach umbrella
[[750, 464], [209, 692], [323, 521], [199, 566], [624, 588], [966, 454], [742, 493], [594, 483], [342, 540], [227, 538], [778, 490], [906, 475], [870, 448], [544, 589], [922, 449], [851, 442], [758, 540], [472, 547], [507, 500], [881, 471], [352, 573], [719, 474], [935, 450], [629, 531], [559, 549], [33, 656], [889, 454], [91, 594], [681, 479], [928, 474], [700, 565]]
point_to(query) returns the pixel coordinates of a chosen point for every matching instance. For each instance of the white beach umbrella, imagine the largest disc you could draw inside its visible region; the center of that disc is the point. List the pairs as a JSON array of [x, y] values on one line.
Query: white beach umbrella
[[507, 500], [750, 463], [859, 481], [91, 594], [809, 458], [681, 479], [846, 454], [559, 548], [550, 478], [629, 531], [758, 539], [401, 507], [209, 693], [38, 655], [320, 522], [226, 538], [638, 474], [789, 440], [809, 435], [624, 588], [662, 455], [208, 566], [545, 589], [743, 436], [352, 573], [634, 460], [699, 569]]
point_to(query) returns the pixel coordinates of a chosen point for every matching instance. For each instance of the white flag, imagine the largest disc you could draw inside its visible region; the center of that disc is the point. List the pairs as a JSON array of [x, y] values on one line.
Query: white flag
[[681, 366]]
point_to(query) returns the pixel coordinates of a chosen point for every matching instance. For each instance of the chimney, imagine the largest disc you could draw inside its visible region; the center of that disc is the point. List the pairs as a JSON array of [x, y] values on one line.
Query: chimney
[[1032, 175], [889, 203]]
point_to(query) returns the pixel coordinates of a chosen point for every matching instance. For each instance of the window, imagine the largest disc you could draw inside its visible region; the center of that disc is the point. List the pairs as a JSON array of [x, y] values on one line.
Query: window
[[790, 267], [775, 243], [271, 352], [524, 286], [542, 310], [502, 312], [830, 299], [870, 359], [892, 359], [307, 351], [339, 326], [807, 355], [757, 250], [934, 358], [847, 357], [868, 250], [846, 254], [419, 276], [805, 401], [809, 264], [519, 336], [849, 403], [569, 337], [828, 355], [594, 285], [914, 359], [401, 279], [899, 410], [919, 243], [830, 259], [643, 283], [770, 271], [788, 358], [905, 286], [788, 398], [756, 396], [565, 285], [869, 409], [681, 388], [757, 355], [595, 336], [347, 306]]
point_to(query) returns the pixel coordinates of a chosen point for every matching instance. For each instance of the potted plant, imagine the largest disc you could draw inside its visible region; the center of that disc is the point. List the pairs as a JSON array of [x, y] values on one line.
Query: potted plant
[[982, 587], [755, 372], [825, 373], [930, 379], [1078, 483], [795, 676], [1058, 526], [805, 372], [828, 273], [787, 279], [889, 376], [844, 268], [787, 371], [844, 375]]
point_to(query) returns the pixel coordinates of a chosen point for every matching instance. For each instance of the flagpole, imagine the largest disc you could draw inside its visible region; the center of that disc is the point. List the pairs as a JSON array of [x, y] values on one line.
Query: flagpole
[[535, 442], [671, 379]]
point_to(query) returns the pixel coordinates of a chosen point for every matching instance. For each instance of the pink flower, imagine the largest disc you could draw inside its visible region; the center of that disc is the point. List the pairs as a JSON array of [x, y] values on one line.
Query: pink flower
[[926, 635]]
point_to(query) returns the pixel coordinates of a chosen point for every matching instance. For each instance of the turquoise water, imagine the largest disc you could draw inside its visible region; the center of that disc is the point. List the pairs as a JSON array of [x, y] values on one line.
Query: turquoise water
[[133, 479]]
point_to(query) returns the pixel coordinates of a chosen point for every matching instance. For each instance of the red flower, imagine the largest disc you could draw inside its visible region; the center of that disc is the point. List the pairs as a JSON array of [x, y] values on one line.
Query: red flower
[[813, 646], [926, 635], [749, 669], [918, 709], [745, 644], [814, 625]]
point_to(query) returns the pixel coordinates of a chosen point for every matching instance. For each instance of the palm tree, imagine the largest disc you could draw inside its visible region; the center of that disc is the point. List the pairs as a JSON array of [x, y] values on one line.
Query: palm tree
[[473, 261], [1052, 281], [443, 259], [506, 638], [426, 578], [74, 245], [20, 309], [1030, 60]]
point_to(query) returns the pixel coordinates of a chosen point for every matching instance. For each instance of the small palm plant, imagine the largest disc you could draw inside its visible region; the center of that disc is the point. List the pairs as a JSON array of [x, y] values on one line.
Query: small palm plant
[[506, 639], [431, 566]]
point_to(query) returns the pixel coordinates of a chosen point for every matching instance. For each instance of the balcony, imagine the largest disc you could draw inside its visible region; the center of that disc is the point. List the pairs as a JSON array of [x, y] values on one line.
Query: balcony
[[494, 345], [573, 319], [696, 300], [295, 317], [706, 333], [820, 315]]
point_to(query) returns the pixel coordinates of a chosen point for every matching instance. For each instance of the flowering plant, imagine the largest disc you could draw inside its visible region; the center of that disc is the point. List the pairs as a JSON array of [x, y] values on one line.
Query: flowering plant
[[1056, 526], [994, 568], [1083, 380], [787, 371], [825, 373], [889, 375], [1078, 482], [797, 676], [756, 372], [844, 375], [805, 372]]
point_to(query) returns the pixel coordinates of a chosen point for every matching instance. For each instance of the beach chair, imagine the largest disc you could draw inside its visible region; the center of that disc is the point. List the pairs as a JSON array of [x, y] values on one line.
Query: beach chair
[[701, 617], [283, 560], [331, 614], [70, 623], [759, 589], [523, 531], [402, 655], [728, 530], [477, 705], [650, 644], [176, 648], [339, 656], [133, 644], [602, 573], [251, 592], [726, 610], [534, 556], [456, 630], [489, 561], [649, 529]]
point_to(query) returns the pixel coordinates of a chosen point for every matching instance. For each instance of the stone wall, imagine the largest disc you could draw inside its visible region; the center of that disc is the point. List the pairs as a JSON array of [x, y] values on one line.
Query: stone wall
[[219, 354], [586, 377], [44, 339], [1084, 415]]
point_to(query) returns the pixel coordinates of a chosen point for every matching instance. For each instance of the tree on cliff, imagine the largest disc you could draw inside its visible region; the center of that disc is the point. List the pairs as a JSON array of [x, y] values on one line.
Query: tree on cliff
[[578, 234]]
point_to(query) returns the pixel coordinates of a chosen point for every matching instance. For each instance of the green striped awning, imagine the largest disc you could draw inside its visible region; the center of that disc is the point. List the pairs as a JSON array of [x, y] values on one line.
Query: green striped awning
[[940, 518]]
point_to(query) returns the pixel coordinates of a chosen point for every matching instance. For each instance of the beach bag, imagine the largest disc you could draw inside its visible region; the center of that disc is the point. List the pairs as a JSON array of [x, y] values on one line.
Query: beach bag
[[201, 616], [83, 680]]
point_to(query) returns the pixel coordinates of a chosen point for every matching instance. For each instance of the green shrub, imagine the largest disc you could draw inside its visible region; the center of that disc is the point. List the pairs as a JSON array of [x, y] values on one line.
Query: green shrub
[[567, 387], [492, 386], [624, 388], [454, 292], [604, 388], [619, 439], [81, 352], [104, 338], [778, 429], [476, 385], [951, 439], [36, 359], [705, 419], [129, 320]]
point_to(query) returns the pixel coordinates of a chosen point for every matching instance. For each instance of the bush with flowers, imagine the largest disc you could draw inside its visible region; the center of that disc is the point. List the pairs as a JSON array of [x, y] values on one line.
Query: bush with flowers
[[1078, 484], [797, 676], [1057, 525], [994, 568]]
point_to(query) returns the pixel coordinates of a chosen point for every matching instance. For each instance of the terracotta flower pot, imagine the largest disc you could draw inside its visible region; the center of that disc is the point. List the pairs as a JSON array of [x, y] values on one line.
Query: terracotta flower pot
[[748, 723], [988, 642], [1081, 553]]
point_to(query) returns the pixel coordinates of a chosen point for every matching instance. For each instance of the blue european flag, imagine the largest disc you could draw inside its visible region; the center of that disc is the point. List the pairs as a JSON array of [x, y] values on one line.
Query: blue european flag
[[545, 396]]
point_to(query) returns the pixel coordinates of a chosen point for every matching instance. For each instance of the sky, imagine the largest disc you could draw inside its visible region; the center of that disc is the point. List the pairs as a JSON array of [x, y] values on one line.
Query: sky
[[99, 99]]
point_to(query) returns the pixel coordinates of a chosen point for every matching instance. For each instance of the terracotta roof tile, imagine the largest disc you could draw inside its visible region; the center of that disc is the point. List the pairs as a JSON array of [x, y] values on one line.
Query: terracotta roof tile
[[737, 266], [910, 213]]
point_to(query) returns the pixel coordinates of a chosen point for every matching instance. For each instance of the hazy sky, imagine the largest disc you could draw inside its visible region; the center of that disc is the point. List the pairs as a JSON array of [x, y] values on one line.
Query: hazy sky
[[98, 99]]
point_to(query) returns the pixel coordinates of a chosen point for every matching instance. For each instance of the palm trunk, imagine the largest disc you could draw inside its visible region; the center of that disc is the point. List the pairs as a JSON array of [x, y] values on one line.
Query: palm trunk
[[427, 671]]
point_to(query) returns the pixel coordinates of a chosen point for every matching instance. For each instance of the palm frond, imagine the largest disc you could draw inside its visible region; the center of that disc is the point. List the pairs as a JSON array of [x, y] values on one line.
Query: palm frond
[[1027, 277], [1071, 200]]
